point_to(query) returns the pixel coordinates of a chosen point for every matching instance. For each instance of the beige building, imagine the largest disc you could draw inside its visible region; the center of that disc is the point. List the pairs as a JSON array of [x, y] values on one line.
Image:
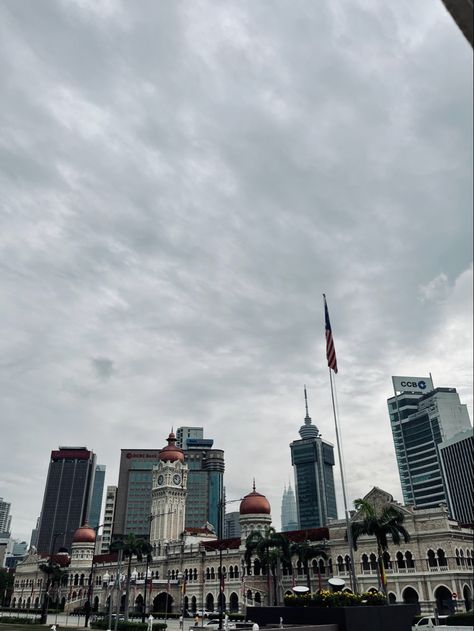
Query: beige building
[[185, 574]]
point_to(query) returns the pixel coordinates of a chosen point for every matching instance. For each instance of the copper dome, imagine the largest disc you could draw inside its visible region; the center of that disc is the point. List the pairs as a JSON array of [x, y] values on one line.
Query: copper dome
[[84, 534], [171, 453], [254, 503]]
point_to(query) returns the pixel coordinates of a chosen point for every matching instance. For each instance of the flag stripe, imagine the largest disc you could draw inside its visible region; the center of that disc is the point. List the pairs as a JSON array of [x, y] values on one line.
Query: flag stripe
[[330, 348]]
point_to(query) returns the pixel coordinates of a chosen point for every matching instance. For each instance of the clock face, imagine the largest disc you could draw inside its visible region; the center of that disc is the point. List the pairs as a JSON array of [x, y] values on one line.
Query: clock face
[[176, 478], [160, 479]]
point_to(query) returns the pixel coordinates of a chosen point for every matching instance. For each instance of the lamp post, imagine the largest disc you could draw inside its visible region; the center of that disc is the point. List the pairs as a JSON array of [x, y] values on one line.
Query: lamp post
[[44, 609], [222, 505], [152, 517], [90, 587]]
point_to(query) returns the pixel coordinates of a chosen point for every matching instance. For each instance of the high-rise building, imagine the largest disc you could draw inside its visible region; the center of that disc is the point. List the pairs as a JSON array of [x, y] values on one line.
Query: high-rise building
[[66, 498], [97, 494], [5, 517], [313, 462], [205, 485], [289, 515], [133, 500], [109, 512], [232, 525], [187, 436], [34, 535], [421, 418], [457, 465]]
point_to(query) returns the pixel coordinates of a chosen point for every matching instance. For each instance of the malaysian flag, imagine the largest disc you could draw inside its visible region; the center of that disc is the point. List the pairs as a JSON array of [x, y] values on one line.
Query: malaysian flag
[[330, 350]]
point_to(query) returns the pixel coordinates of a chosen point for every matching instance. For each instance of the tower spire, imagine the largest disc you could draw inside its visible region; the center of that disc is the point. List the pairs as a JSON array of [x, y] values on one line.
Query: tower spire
[[308, 430], [306, 402]]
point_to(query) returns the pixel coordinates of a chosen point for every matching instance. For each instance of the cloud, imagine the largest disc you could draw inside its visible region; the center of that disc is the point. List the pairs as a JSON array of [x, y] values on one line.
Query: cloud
[[181, 185]]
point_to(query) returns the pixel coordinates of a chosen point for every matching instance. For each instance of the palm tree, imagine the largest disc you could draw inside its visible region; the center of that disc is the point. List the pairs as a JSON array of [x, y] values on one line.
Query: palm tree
[[54, 575], [131, 546], [270, 548], [382, 524], [305, 551]]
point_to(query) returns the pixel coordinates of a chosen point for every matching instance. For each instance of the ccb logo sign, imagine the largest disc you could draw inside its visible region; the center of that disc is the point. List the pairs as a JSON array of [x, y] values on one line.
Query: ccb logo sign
[[414, 384]]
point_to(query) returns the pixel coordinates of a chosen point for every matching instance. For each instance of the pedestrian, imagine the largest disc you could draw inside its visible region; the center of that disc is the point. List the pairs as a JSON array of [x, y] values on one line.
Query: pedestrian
[[181, 621], [196, 619]]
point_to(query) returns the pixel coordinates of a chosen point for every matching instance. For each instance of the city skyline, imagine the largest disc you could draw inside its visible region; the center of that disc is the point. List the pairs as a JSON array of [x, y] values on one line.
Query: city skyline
[[178, 197]]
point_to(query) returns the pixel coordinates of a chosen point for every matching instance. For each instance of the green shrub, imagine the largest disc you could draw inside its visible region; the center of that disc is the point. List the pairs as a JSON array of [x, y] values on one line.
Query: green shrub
[[127, 626], [18, 620], [325, 598], [464, 619]]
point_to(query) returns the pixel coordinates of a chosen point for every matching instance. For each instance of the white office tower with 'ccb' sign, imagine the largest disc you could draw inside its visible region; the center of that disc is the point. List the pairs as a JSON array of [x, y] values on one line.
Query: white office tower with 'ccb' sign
[[422, 417]]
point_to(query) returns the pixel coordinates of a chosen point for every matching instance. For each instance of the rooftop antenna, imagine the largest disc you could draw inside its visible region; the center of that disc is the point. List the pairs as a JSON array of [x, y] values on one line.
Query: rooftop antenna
[[306, 401]]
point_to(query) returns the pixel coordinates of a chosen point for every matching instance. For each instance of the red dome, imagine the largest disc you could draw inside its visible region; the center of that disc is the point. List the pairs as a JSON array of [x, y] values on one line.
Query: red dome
[[254, 503], [84, 534], [171, 453]]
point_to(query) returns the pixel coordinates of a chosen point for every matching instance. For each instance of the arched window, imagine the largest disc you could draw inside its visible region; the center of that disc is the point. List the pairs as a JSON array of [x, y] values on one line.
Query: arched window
[[432, 562], [249, 595], [236, 571], [258, 598], [195, 574], [322, 567], [257, 567], [231, 572], [347, 563], [458, 560], [76, 579], [409, 560], [299, 568], [213, 574], [340, 564], [461, 554], [208, 573], [330, 566], [442, 558], [233, 603], [365, 563], [373, 561], [401, 561], [387, 563]]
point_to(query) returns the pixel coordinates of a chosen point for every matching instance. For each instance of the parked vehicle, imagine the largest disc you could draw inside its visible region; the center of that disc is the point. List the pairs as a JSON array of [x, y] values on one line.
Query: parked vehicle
[[429, 621]]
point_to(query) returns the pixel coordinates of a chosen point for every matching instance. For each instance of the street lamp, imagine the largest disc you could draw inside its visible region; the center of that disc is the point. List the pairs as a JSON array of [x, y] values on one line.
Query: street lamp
[[222, 505], [152, 517], [44, 609], [90, 587]]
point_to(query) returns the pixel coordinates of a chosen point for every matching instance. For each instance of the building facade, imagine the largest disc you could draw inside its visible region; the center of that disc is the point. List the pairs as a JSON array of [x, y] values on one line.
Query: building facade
[[133, 499], [185, 574], [313, 464], [67, 496], [457, 466], [109, 514], [97, 495], [5, 517], [232, 525], [421, 419], [289, 516]]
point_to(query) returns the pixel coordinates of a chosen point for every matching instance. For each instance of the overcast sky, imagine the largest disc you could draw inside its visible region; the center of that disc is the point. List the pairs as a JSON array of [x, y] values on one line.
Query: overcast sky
[[181, 181]]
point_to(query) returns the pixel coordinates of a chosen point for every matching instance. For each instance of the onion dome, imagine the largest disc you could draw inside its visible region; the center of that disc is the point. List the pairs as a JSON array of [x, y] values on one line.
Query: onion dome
[[171, 452], [254, 504], [84, 534]]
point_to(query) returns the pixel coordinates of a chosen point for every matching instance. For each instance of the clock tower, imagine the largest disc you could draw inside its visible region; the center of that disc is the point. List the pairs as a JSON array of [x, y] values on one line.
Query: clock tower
[[168, 494]]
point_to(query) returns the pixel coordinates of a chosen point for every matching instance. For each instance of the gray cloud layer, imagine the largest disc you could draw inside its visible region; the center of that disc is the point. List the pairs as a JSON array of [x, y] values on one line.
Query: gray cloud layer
[[180, 182]]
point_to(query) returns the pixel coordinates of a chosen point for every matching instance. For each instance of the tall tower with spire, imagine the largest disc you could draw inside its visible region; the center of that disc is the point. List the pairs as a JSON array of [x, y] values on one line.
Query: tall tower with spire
[[313, 463], [289, 516]]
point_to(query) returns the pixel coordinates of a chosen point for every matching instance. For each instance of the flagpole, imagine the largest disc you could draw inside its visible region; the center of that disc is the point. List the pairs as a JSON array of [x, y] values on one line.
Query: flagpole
[[332, 366], [344, 496]]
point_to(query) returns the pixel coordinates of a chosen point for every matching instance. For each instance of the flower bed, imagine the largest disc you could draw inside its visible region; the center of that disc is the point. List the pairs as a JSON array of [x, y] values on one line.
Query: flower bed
[[325, 598]]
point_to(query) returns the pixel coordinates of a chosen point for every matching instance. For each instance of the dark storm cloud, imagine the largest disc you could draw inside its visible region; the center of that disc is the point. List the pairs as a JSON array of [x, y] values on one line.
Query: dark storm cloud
[[181, 182]]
